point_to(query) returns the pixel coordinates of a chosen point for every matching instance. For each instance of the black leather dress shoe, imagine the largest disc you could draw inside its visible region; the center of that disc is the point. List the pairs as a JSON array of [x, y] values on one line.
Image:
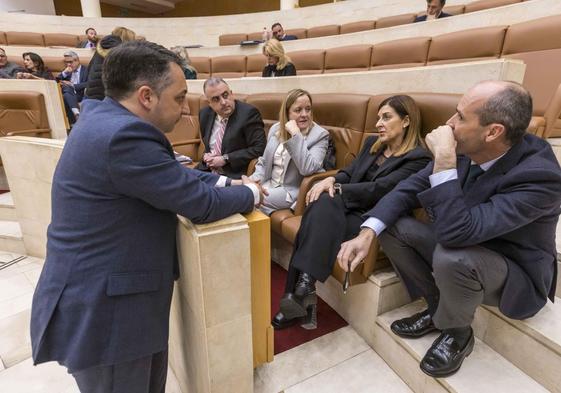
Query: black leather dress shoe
[[414, 326], [281, 322], [445, 356]]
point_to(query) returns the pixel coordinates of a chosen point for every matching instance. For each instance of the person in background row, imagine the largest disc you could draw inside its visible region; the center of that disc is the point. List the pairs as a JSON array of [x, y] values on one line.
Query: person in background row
[[189, 71], [279, 34], [278, 64], [232, 131], [337, 203], [296, 148], [434, 11], [34, 68], [8, 70], [95, 89], [73, 80], [91, 39]]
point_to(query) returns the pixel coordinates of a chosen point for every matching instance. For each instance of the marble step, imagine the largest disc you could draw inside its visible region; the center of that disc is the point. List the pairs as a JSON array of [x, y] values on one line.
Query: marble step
[[533, 345], [46, 377], [7, 208], [484, 371], [11, 238]]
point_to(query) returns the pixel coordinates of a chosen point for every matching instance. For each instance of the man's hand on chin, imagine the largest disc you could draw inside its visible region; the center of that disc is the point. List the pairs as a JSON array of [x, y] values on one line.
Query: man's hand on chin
[[355, 250], [442, 144]]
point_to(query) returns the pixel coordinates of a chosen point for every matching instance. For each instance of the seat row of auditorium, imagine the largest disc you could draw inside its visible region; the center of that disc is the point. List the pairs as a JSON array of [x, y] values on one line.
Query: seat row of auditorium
[[380, 23]]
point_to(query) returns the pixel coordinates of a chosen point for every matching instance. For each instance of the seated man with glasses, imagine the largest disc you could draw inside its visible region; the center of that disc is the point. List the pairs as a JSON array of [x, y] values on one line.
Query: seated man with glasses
[[73, 80]]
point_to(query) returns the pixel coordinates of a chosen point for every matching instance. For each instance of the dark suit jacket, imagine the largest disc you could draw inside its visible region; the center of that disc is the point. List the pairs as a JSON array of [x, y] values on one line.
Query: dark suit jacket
[[362, 195], [511, 209], [289, 37], [423, 18], [288, 70], [78, 87], [105, 291], [244, 138]]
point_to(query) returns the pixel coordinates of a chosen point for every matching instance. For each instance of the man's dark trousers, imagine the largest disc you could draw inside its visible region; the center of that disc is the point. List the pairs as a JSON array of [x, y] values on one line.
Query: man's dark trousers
[[453, 281], [145, 375]]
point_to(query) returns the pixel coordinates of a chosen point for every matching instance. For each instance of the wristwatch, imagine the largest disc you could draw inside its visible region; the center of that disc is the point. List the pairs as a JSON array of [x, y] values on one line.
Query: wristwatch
[[338, 188], [225, 158]]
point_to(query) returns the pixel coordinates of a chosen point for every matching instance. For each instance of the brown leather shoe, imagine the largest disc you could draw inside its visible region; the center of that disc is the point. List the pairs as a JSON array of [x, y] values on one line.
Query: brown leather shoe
[[414, 326]]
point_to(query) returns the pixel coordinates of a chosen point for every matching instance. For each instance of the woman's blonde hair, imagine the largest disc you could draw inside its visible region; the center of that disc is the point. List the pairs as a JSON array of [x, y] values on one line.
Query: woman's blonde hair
[[124, 34], [292, 96], [181, 51], [274, 48], [404, 106]]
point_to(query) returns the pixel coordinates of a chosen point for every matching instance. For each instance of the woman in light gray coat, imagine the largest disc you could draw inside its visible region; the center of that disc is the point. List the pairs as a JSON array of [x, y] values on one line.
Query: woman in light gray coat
[[295, 148]]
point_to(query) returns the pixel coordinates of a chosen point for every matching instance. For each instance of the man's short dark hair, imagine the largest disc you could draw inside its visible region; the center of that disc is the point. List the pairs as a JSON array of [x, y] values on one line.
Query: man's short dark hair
[[136, 63], [442, 2], [90, 28], [511, 107], [275, 25]]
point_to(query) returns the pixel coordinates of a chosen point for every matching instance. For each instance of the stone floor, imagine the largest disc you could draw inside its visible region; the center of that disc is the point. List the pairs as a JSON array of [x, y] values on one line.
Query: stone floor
[[338, 362]]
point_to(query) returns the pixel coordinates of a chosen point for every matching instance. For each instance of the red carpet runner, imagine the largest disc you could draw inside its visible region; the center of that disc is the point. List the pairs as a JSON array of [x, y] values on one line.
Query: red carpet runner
[[328, 319]]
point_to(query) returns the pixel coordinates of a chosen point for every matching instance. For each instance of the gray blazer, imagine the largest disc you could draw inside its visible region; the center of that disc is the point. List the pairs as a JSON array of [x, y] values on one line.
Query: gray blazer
[[306, 157]]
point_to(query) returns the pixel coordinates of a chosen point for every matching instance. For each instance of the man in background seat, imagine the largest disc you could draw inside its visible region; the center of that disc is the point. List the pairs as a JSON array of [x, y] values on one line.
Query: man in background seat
[[232, 131], [73, 80], [8, 70], [280, 35], [434, 11], [492, 196], [91, 39]]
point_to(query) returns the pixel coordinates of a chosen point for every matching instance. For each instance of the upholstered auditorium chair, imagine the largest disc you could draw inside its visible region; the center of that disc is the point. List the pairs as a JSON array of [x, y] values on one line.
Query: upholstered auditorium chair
[[299, 32], [23, 113], [3, 39], [269, 105], [406, 52], [395, 20], [486, 4], [350, 58], [322, 31], [354, 27], [202, 65], [24, 39], [255, 64], [60, 39], [467, 45], [308, 62], [232, 66], [231, 39]]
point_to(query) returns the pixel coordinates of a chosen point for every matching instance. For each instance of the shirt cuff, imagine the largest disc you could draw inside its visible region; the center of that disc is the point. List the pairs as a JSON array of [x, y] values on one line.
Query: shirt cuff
[[438, 178], [255, 190], [221, 181], [375, 224]]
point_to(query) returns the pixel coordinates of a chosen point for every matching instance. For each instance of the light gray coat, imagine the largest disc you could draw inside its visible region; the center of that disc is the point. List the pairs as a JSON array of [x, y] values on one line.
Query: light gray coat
[[306, 157]]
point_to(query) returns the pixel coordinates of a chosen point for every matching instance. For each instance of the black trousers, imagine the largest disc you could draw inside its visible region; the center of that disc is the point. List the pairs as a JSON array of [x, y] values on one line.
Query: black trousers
[[325, 225], [145, 375]]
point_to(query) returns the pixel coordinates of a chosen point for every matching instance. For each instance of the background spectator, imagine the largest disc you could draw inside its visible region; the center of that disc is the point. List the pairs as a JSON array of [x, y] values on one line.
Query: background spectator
[[91, 39], [434, 11], [73, 80], [8, 70], [279, 34], [34, 67], [189, 71], [278, 63]]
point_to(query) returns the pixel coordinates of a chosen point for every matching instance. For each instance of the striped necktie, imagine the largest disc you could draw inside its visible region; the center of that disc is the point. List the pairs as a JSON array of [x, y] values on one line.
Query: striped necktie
[[217, 149]]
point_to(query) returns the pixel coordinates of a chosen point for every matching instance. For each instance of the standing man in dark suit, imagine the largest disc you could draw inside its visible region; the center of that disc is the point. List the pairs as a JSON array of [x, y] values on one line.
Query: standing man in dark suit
[[434, 11], [101, 306], [492, 195], [232, 131], [73, 80]]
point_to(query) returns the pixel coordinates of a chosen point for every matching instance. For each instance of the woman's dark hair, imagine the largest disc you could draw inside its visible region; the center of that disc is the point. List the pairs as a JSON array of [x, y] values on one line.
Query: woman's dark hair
[[37, 61], [404, 106]]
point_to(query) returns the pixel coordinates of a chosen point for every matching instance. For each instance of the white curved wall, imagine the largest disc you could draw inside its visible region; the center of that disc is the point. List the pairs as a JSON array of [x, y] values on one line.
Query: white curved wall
[[206, 30]]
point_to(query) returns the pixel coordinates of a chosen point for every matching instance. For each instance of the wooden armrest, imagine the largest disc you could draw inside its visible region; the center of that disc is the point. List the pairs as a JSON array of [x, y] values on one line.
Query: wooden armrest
[[305, 186], [26, 132], [187, 142], [251, 167]]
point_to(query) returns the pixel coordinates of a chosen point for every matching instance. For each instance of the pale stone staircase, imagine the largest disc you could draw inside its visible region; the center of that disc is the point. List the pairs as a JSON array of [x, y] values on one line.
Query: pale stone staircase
[[11, 238]]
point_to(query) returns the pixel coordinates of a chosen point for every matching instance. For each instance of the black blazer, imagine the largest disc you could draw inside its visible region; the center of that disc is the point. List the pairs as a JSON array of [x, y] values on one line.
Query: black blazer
[[423, 18], [362, 196], [244, 138], [511, 209], [288, 70], [78, 87]]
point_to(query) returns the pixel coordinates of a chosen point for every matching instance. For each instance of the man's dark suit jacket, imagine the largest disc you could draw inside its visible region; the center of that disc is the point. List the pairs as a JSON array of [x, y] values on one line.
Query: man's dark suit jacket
[[105, 290], [78, 87], [423, 18], [361, 195], [244, 138], [289, 37], [511, 209]]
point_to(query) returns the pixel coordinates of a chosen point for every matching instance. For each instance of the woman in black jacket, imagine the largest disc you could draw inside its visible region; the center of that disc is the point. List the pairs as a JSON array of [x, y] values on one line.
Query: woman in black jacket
[[278, 64], [336, 204]]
